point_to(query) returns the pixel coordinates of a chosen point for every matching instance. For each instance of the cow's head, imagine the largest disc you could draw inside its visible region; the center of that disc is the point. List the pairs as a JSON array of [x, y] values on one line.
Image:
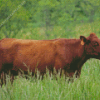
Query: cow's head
[[92, 45]]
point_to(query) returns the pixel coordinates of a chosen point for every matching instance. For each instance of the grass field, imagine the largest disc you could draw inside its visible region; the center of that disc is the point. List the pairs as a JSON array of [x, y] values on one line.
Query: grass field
[[87, 87]]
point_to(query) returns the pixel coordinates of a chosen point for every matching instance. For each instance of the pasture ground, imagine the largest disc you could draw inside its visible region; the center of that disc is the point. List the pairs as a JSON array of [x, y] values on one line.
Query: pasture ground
[[87, 87]]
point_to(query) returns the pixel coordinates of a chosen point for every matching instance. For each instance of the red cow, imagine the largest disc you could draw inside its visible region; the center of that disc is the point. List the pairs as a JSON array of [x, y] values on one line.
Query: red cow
[[65, 54]]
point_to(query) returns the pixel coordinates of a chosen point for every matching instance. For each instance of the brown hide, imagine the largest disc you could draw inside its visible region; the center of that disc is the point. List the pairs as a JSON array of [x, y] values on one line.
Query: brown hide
[[65, 54]]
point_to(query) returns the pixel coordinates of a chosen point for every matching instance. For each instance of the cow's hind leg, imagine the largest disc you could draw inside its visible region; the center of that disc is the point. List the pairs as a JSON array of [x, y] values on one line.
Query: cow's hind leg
[[2, 75], [5, 70], [2, 78]]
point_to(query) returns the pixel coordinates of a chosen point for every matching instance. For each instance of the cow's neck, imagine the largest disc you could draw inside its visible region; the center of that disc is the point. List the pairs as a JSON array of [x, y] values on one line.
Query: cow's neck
[[80, 55]]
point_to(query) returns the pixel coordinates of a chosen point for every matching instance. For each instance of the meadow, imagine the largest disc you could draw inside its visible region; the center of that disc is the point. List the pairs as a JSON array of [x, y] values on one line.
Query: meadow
[[50, 19], [87, 87]]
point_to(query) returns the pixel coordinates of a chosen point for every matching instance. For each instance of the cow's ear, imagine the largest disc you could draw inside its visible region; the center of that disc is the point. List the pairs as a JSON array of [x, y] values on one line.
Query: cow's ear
[[83, 40]]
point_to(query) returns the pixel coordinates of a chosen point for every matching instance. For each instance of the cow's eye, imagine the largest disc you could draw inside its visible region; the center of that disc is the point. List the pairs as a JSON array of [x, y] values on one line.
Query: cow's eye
[[96, 44]]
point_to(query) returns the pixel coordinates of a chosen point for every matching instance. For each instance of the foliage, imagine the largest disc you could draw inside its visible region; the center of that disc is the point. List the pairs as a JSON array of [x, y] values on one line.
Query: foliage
[[16, 16]]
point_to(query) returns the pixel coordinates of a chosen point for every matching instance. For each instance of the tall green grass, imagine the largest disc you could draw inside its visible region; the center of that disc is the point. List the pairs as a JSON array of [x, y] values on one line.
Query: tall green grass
[[87, 87]]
